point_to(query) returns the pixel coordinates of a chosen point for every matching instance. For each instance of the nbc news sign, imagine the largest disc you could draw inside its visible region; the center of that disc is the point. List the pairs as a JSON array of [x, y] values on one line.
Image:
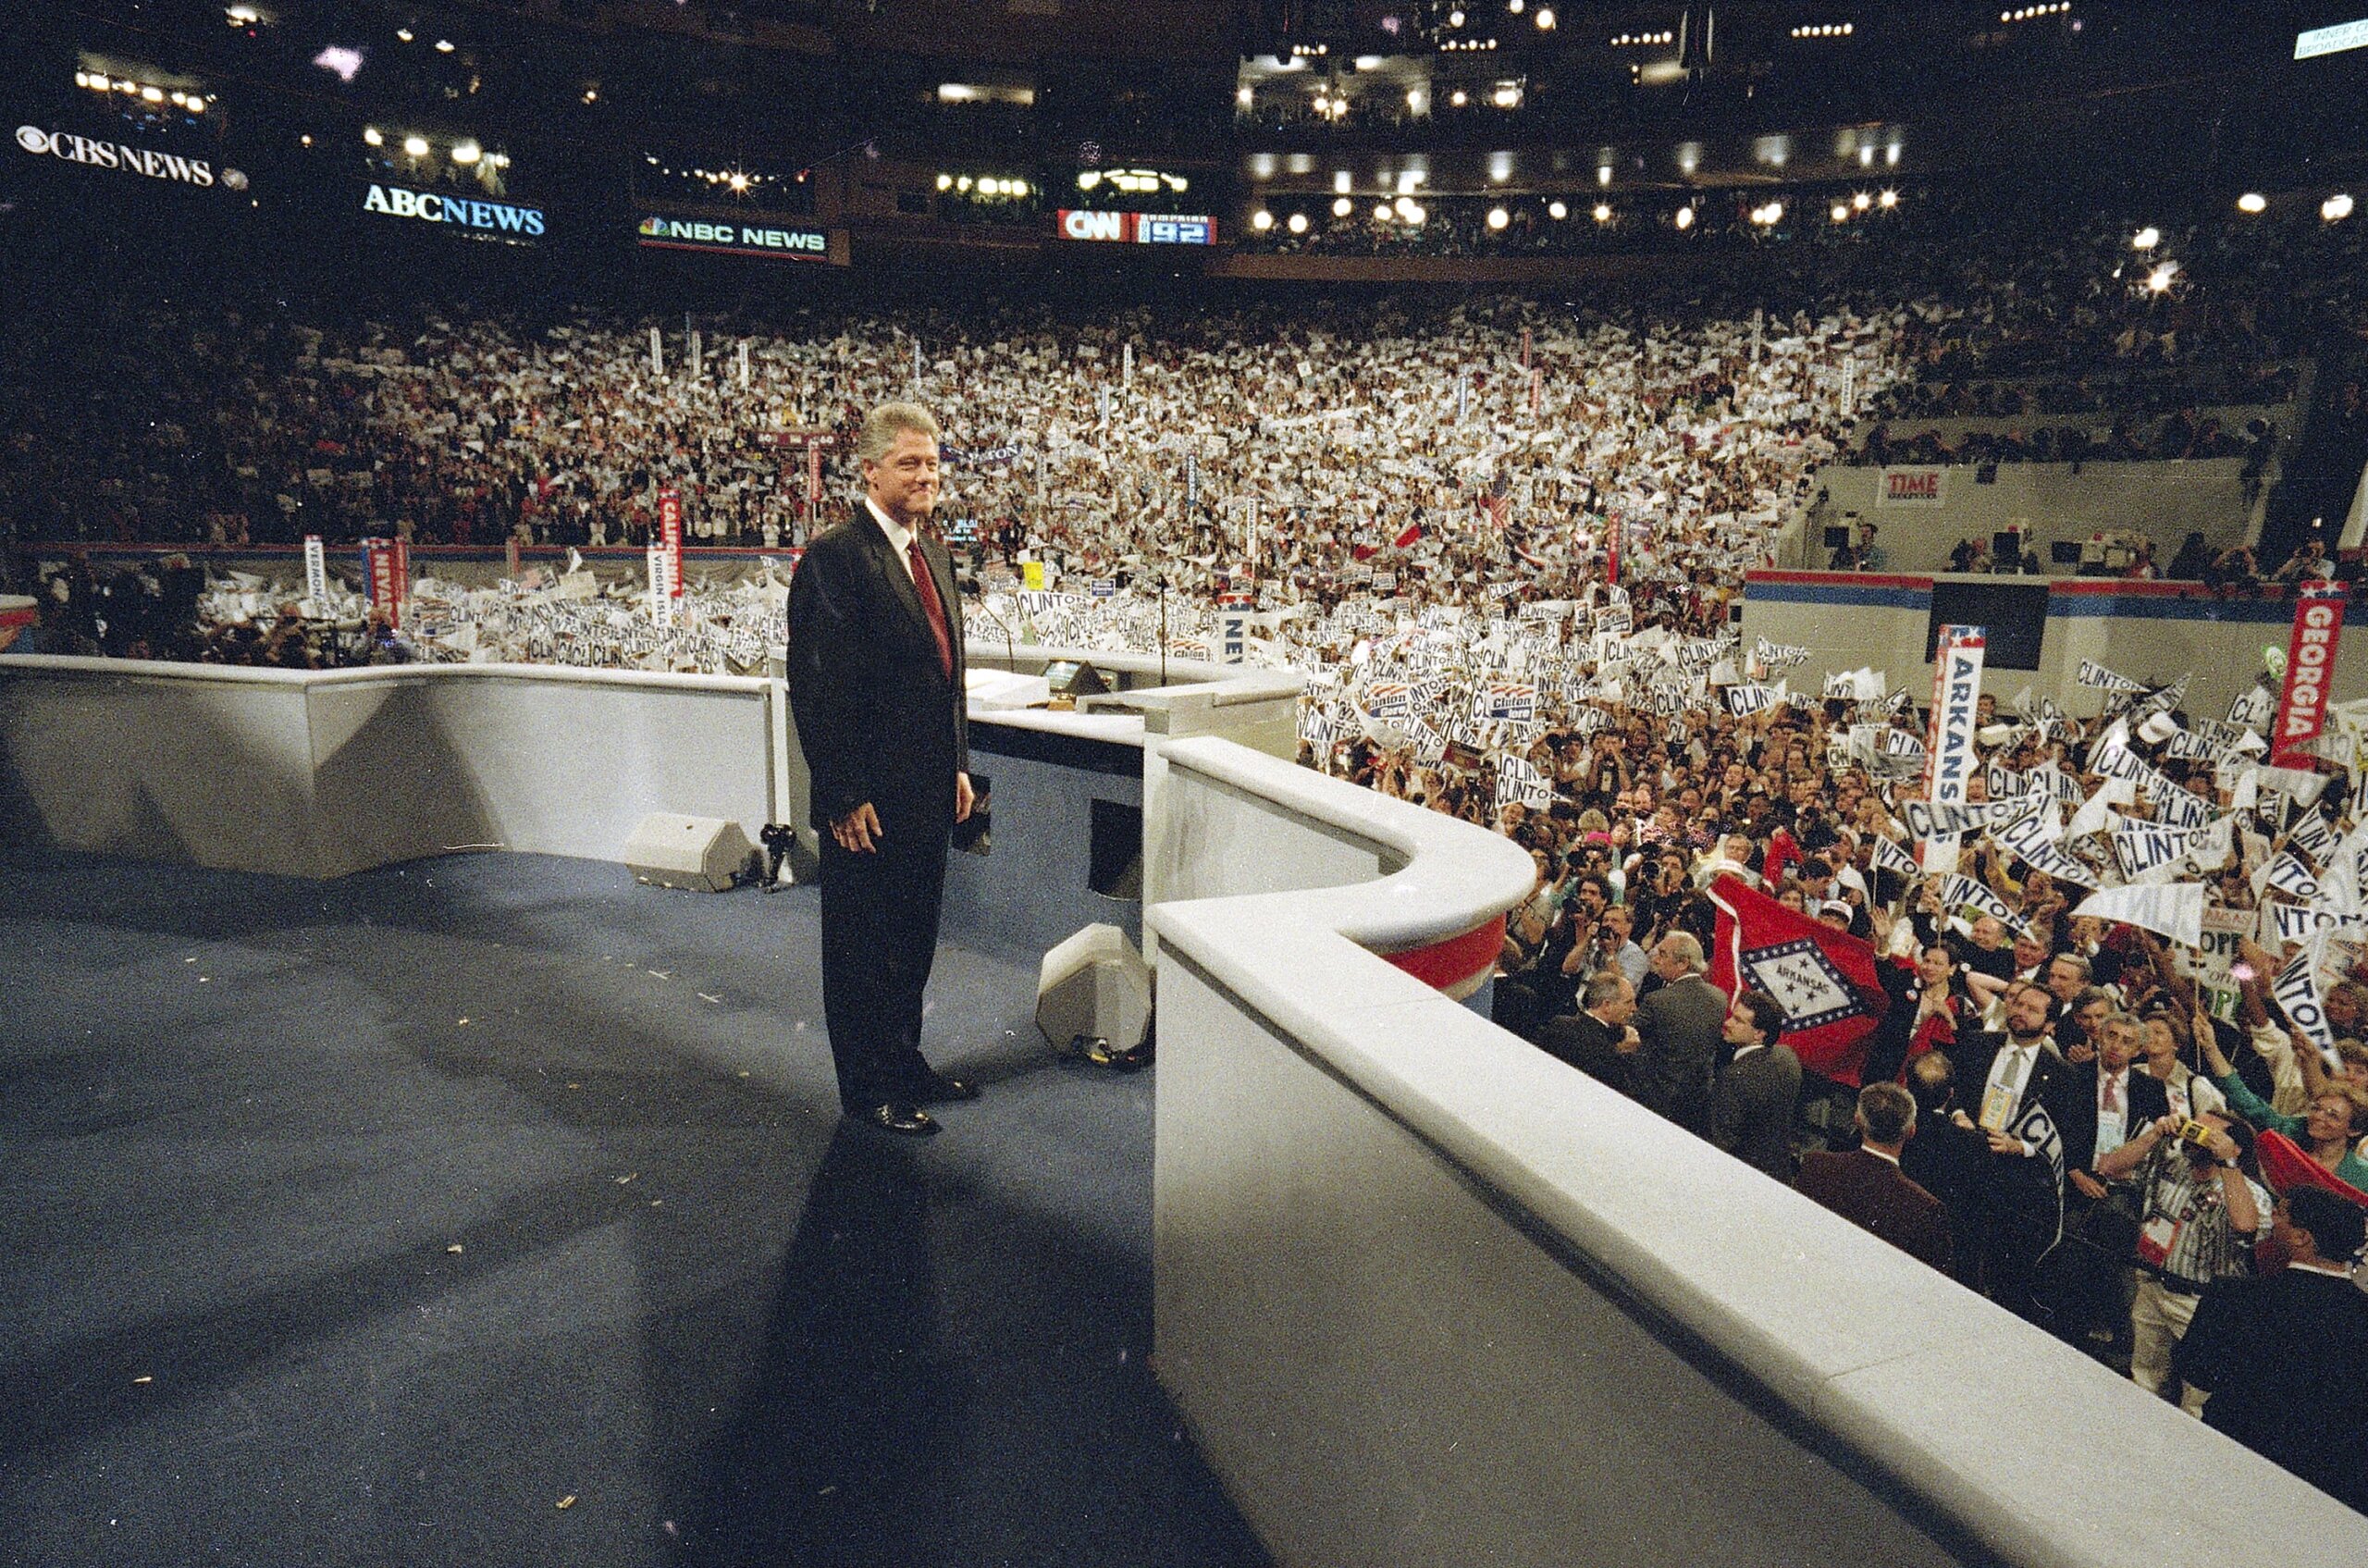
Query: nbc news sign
[[121, 157], [474, 218], [723, 237]]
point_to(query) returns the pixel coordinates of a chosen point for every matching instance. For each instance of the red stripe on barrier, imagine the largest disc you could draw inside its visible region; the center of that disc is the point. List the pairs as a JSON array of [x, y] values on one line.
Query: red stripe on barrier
[[1444, 966], [1839, 580]]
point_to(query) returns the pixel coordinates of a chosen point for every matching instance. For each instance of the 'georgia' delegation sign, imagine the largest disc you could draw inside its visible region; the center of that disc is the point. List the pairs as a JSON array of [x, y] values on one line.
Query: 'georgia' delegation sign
[[493, 219]]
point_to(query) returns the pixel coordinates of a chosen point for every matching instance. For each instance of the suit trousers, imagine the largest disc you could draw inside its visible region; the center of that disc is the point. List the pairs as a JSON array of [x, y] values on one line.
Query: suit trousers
[[880, 918]]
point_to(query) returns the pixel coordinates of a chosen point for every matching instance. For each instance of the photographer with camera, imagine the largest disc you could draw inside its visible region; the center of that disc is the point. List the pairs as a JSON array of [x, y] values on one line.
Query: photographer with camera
[[2199, 1213]]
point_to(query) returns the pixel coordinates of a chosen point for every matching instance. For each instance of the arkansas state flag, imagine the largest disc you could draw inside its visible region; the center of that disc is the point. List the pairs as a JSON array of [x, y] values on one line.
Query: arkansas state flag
[[1825, 979], [1405, 541], [1784, 851], [1364, 552]]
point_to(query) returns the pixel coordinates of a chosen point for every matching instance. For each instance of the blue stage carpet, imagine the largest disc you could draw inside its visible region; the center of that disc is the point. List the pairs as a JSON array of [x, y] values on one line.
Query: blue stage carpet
[[495, 1211]]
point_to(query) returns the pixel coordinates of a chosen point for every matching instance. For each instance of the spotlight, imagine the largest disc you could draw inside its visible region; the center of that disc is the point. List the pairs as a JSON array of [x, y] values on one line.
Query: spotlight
[[1261, 220], [1603, 211], [1514, 5], [416, 145], [2336, 209], [2253, 202], [1297, 223], [739, 182], [1341, 180], [1603, 173], [2159, 281], [1459, 98], [1888, 200], [1342, 206], [1557, 211], [1455, 18], [1381, 213], [370, 134], [2146, 239], [1545, 20], [1861, 202], [1414, 213], [443, 45], [1841, 212], [1499, 217], [466, 152], [152, 94], [1684, 217], [945, 182]]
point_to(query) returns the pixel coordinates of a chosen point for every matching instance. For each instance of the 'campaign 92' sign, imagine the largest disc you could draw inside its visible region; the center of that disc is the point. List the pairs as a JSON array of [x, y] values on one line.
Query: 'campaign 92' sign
[[1138, 229]]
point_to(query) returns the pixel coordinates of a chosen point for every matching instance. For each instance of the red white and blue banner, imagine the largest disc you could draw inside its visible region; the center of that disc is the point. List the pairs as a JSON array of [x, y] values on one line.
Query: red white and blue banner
[[1825, 979], [1957, 691], [385, 567], [2310, 666]]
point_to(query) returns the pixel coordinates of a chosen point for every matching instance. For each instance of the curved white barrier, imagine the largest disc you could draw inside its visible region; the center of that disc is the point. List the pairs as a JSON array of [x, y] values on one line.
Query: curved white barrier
[[1428, 1295]]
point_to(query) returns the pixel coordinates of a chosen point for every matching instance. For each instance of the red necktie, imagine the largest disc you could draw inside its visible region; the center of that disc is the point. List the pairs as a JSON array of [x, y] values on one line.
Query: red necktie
[[931, 606], [2112, 1104]]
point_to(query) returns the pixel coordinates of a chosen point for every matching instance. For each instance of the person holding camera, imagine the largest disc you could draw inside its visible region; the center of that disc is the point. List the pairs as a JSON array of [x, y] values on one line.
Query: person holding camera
[[2198, 1216]]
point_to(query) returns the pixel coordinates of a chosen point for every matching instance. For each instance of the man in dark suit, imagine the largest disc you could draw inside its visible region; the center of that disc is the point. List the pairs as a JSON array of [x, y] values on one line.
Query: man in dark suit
[[1678, 1029], [1757, 1092], [2285, 1357], [875, 679], [2105, 1103], [1598, 1039], [2017, 1208], [1866, 1186]]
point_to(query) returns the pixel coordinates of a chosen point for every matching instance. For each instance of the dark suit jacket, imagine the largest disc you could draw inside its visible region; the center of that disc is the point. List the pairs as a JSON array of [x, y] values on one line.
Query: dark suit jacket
[[1870, 1192], [1670, 1071], [2147, 1102], [2285, 1358], [877, 718], [1752, 1108], [2050, 1080], [1589, 1044]]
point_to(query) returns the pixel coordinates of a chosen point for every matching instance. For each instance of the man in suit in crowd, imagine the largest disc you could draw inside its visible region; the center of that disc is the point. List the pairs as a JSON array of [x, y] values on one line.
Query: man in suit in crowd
[[2017, 1210], [2104, 1103], [1866, 1186], [2285, 1357], [1598, 1039], [1759, 1090], [875, 678], [1678, 1028]]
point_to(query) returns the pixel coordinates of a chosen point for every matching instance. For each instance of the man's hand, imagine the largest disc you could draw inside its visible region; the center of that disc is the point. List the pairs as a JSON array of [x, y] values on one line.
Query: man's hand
[[858, 832], [1628, 1044], [964, 797], [2091, 1188], [2006, 1143]]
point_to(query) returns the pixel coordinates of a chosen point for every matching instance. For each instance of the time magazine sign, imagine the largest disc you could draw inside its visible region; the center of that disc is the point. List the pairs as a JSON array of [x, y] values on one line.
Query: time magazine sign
[[1913, 488]]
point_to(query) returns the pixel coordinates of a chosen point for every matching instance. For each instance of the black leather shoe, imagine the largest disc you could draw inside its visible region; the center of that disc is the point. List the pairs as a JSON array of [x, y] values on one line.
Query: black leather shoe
[[910, 1121], [938, 1088]]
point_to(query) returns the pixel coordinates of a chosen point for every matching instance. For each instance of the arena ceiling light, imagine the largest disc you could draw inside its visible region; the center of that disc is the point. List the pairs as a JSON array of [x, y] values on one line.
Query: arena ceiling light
[[1297, 223], [1381, 213], [1888, 200], [1414, 213], [2253, 202], [1342, 206], [373, 136], [1685, 218], [2035, 13], [1862, 201], [1825, 30], [1556, 210], [1642, 39], [468, 152], [1603, 211], [1840, 212], [416, 146], [1341, 180], [1497, 218], [1459, 97], [2159, 281], [2146, 239], [404, 35], [1545, 19], [2336, 209], [1516, 6], [244, 15], [1261, 220], [443, 45], [340, 61]]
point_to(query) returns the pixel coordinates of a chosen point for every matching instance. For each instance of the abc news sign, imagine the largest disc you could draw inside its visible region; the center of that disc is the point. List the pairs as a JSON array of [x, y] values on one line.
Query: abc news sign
[[97, 151], [478, 219], [1139, 228], [725, 237]]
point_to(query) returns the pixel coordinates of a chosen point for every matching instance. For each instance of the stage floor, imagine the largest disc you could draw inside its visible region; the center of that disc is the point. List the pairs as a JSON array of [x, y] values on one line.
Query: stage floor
[[495, 1210]]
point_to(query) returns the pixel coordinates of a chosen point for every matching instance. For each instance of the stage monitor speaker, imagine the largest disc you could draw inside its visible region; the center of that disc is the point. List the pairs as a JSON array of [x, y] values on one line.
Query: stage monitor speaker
[[1075, 677], [703, 853], [1094, 984]]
